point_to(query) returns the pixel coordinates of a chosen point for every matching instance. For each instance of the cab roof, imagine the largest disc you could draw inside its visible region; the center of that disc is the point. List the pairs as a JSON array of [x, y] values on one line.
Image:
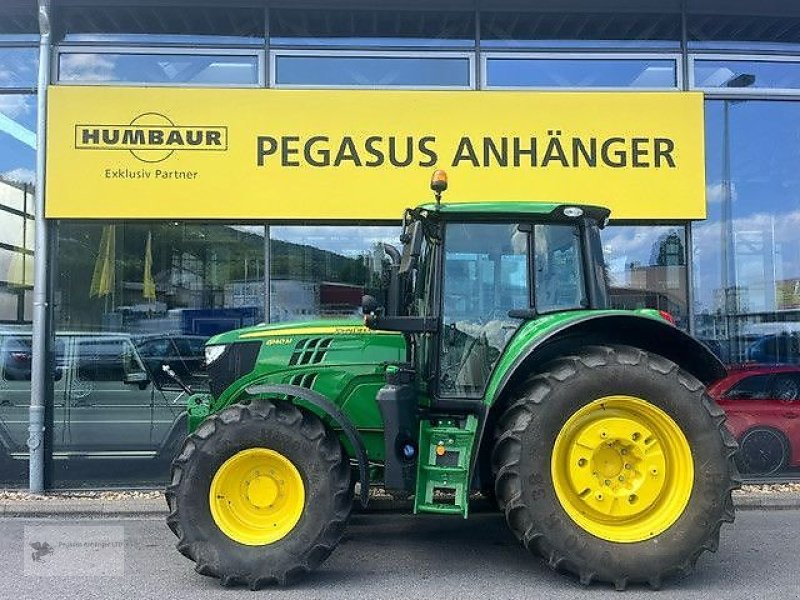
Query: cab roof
[[513, 207]]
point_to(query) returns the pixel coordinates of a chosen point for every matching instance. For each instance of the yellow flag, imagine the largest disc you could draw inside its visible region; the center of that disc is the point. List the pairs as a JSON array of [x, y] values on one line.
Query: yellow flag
[[149, 284], [103, 276]]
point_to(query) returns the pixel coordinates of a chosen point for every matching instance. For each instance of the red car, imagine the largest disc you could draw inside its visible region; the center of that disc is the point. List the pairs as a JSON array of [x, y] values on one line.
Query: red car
[[763, 407]]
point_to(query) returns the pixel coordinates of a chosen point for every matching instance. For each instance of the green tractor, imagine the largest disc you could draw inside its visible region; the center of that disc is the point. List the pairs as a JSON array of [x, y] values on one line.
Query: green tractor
[[495, 366]]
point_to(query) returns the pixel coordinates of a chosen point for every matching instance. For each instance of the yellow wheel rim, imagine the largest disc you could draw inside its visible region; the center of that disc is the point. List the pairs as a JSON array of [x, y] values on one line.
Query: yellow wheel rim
[[622, 469], [257, 497]]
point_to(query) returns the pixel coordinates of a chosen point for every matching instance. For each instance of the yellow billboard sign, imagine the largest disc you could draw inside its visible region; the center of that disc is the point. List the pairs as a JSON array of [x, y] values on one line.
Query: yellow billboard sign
[[316, 154]]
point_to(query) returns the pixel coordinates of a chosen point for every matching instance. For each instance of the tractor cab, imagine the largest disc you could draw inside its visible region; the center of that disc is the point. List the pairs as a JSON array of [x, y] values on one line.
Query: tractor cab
[[471, 274]]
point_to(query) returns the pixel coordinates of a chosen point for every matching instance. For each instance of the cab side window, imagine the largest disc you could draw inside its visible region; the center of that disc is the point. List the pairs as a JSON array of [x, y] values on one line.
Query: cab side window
[[558, 268]]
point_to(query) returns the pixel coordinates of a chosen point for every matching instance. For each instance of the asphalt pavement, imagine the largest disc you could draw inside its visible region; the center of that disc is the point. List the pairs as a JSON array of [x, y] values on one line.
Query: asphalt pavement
[[388, 555]]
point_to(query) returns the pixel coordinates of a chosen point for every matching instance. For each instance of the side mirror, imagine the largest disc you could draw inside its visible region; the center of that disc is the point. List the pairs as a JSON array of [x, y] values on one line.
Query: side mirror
[[139, 378], [412, 246], [369, 305]]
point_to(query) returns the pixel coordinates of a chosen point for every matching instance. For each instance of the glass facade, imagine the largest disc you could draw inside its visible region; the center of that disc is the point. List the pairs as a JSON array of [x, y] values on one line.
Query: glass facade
[[322, 271], [647, 268], [130, 296], [18, 72]]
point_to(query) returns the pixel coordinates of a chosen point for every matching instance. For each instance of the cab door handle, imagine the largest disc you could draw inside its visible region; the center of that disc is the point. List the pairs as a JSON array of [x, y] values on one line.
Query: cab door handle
[[790, 415]]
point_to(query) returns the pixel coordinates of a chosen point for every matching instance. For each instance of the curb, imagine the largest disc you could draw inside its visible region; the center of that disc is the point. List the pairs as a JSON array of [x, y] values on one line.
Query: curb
[[82, 508], [774, 501], [157, 506]]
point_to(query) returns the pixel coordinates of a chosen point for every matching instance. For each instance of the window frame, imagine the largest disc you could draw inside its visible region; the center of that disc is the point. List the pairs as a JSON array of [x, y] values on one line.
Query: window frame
[[19, 45], [676, 57], [67, 49], [275, 54]]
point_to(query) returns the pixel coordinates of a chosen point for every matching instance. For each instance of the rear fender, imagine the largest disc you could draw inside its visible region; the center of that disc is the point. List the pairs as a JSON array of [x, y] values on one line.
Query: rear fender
[[546, 338], [541, 340]]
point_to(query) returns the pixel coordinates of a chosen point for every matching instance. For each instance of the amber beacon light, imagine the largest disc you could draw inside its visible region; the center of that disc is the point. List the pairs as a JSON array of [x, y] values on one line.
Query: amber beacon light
[[438, 184]]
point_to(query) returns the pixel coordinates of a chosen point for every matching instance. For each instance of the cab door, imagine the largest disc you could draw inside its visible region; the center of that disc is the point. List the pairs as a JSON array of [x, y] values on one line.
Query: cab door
[[486, 274]]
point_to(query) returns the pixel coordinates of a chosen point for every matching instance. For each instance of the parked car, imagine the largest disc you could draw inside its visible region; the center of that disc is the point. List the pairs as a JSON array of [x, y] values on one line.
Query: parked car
[[762, 403], [775, 349], [16, 357], [106, 402]]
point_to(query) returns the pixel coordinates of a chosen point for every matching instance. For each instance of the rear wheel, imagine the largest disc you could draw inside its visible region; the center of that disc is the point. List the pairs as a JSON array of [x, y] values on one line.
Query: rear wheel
[[615, 465], [260, 493], [763, 451]]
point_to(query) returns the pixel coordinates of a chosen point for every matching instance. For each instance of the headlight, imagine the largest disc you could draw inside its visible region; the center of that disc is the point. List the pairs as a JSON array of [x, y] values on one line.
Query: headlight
[[214, 352]]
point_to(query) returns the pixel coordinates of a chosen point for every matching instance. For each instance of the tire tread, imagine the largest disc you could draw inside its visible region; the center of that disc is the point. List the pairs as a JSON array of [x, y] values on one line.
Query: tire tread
[[508, 445], [327, 445]]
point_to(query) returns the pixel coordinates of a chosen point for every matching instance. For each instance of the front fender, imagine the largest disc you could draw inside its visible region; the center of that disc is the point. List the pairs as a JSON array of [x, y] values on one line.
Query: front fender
[[545, 338], [332, 411]]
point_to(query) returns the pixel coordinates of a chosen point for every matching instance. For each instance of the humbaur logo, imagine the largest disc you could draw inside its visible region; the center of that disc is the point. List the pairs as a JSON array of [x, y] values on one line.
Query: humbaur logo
[[151, 137]]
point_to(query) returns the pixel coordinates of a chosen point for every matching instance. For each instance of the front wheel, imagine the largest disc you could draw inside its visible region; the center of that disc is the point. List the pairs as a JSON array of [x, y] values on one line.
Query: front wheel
[[615, 465], [260, 493]]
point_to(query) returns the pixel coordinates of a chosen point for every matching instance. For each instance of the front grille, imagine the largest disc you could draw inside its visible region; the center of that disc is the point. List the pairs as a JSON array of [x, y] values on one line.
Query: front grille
[[309, 351], [237, 360]]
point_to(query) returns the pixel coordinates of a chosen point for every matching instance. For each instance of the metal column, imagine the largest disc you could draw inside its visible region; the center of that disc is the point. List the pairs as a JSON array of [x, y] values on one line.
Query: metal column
[[267, 274], [40, 371]]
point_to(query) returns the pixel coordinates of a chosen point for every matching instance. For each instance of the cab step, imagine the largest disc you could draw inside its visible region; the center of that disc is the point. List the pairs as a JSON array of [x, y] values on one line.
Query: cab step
[[443, 470]]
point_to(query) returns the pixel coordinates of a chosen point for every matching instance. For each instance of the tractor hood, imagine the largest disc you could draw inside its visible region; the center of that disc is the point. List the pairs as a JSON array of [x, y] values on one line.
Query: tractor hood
[[323, 354], [267, 332]]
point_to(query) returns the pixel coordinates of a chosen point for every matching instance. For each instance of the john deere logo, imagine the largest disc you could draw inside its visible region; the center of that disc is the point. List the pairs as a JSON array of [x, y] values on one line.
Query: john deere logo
[[151, 137]]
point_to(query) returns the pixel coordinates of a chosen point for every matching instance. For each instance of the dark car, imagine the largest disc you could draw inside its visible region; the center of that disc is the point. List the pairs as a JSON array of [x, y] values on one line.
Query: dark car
[[185, 354], [762, 403], [15, 356]]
